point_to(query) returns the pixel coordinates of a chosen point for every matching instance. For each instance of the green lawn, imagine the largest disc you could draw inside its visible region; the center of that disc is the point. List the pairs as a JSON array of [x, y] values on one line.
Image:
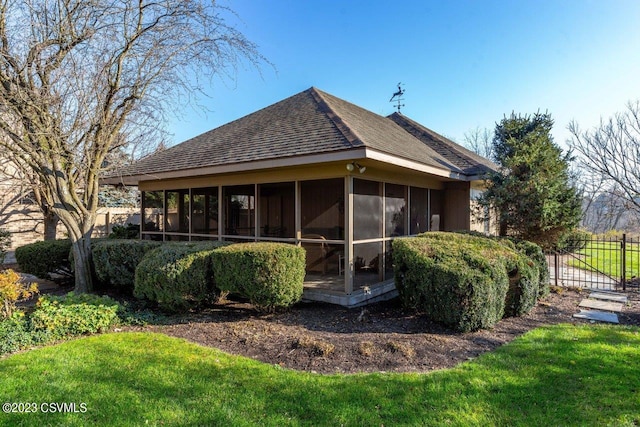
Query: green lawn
[[606, 257], [561, 375]]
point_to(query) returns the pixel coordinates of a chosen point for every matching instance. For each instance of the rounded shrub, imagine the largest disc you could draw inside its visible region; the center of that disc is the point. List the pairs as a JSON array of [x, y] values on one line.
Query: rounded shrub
[[43, 258], [534, 252], [522, 294], [453, 283], [115, 261], [177, 276], [467, 281], [270, 275]]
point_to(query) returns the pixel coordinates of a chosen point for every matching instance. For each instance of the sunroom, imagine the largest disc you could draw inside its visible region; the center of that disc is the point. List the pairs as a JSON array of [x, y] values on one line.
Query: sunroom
[[315, 171]]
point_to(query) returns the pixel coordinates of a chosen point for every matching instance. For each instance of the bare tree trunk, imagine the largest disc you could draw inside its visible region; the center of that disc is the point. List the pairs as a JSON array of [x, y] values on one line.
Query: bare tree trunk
[[50, 225], [80, 228], [502, 228], [82, 265]]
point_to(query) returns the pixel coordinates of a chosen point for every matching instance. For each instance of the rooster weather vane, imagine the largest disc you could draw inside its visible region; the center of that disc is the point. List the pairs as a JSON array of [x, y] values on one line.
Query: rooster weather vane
[[397, 97]]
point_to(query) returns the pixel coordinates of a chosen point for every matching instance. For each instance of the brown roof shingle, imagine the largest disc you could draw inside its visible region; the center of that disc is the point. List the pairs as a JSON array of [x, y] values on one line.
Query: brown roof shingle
[[310, 122], [468, 161]]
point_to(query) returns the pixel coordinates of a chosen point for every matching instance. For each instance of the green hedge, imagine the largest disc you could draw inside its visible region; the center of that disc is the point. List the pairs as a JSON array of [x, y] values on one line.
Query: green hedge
[[449, 282], [520, 297], [534, 252], [522, 293], [43, 258], [270, 275], [466, 282], [115, 261], [129, 231], [178, 276]]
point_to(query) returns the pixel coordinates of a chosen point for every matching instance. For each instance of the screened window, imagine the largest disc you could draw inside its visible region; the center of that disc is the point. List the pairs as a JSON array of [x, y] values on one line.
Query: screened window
[[324, 259], [239, 210], [436, 222], [277, 210], [204, 210], [388, 260], [367, 263], [153, 211], [367, 209], [419, 219], [322, 209], [395, 208], [177, 211]]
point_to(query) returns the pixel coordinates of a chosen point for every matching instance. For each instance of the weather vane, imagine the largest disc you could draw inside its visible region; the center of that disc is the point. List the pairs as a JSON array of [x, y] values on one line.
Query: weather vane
[[397, 97]]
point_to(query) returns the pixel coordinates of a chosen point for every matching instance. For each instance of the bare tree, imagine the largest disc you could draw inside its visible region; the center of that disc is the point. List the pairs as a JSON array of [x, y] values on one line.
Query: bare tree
[[79, 78], [480, 141], [610, 157]]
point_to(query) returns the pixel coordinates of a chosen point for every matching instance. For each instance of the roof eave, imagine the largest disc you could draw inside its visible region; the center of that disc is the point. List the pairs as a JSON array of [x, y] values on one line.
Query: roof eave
[[351, 154], [345, 155], [417, 166]]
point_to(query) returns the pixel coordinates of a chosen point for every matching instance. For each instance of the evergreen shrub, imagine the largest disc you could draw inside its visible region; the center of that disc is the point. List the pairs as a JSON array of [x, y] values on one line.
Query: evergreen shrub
[[115, 261], [129, 231], [178, 276], [465, 281], [46, 257], [269, 275]]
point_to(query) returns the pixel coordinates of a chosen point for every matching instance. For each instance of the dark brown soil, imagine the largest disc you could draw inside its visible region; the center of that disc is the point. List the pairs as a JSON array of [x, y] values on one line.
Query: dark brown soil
[[381, 337]]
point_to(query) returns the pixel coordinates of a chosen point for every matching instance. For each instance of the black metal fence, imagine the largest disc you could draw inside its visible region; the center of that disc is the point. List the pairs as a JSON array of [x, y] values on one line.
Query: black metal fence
[[605, 263]]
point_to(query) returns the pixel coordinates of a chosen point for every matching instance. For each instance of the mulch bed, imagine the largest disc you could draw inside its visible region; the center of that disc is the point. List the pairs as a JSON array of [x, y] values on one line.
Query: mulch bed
[[379, 338]]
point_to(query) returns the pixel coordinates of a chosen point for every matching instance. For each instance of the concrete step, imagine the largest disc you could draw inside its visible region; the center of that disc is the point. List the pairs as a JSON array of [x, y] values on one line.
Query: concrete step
[[599, 316], [601, 305], [609, 296]]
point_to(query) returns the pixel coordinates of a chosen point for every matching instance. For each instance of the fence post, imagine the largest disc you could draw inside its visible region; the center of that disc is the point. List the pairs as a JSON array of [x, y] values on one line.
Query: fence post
[[556, 267], [623, 274], [108, 223]]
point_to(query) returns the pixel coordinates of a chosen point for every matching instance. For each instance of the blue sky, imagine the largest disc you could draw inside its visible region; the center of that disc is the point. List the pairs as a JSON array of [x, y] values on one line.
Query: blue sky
[[463, 64]]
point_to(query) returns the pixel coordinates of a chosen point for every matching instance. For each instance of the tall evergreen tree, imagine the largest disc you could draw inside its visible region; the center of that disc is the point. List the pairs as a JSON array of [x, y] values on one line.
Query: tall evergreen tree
[[532, 193]]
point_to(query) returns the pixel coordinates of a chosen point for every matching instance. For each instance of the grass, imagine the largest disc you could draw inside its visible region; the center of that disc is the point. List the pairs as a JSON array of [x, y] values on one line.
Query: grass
[[606, 258], [560, 375]]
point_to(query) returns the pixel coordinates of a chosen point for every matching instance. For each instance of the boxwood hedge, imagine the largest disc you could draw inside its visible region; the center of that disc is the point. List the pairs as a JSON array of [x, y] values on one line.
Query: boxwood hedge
[[467, 282], [46, 257], [115, 261], [270, 275], [178, 276]]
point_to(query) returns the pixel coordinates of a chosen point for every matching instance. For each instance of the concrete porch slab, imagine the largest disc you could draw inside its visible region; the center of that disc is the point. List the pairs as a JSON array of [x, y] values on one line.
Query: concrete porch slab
[[379, 292], [601, 305], [599, 316], [609, 296]]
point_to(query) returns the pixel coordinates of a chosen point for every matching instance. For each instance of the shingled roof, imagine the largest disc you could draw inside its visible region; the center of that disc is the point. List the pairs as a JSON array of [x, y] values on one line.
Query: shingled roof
[[468, 161], [308, 123]]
